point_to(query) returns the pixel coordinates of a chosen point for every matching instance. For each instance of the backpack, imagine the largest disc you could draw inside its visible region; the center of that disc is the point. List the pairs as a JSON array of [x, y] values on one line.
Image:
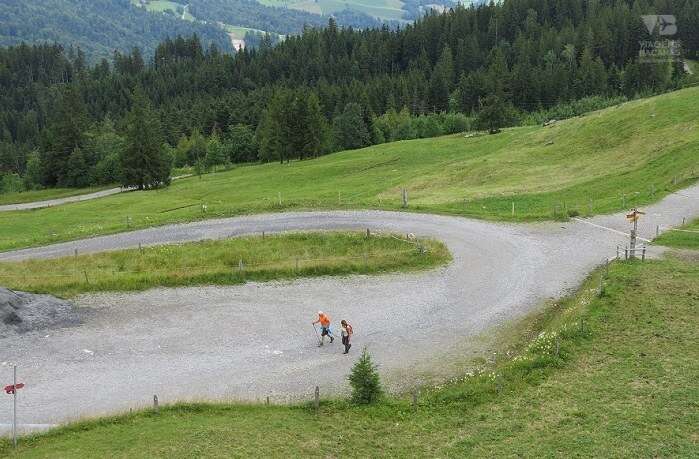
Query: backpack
[[349, 329]]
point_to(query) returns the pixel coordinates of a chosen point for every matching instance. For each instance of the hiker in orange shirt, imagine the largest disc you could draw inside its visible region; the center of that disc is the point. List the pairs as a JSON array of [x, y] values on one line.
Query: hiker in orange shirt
[[324, 322]]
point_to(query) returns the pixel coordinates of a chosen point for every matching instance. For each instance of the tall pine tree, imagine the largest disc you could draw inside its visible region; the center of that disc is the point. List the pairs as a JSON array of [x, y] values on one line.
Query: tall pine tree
[[145, 163]]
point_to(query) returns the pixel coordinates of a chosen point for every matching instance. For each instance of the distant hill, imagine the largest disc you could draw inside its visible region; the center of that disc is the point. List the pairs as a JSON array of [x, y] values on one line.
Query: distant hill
[[386, 10], [98, 27], [275, 18]]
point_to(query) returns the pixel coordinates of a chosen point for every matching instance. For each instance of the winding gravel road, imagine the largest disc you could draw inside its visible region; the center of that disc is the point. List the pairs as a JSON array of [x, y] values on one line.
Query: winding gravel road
[[254, 340]]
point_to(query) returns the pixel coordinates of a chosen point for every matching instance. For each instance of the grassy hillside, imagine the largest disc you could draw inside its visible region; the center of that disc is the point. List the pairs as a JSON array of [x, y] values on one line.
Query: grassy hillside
[[623, 384], [607, 161], [383, 9], [686, 236], [284, 256]]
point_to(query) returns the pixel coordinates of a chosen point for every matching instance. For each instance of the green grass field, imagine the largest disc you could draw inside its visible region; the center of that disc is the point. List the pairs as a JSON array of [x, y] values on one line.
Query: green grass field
[[622, 384], [285, 256], [631, 154], [382, 9], [686, 236]]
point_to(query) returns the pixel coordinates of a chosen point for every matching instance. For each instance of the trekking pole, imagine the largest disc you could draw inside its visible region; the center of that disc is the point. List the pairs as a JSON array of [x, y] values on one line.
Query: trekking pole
[[317, 335]]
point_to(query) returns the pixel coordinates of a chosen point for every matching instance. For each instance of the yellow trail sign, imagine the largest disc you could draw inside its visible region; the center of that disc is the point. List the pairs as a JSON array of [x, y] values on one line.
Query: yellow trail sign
[[635, 215]]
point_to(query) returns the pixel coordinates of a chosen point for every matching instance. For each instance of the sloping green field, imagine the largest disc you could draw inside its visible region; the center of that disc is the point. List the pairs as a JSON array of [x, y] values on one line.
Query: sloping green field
[[382, 9], [686, 236], [610, 160]]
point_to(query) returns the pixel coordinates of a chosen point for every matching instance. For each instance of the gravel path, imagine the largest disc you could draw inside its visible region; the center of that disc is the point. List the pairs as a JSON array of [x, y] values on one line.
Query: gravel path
[[59, 201], [254, 340], [70, 199]]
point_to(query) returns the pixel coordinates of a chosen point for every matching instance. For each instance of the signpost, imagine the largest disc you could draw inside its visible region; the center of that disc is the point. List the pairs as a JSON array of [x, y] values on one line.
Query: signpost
[[12, 390], [634, 216]]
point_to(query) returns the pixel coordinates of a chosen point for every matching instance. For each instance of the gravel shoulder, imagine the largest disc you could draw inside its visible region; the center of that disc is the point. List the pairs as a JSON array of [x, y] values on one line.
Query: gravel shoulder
[[254, 340]]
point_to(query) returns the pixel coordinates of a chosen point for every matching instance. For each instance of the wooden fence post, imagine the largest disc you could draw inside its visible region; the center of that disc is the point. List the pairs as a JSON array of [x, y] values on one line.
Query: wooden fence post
[[316, 401]]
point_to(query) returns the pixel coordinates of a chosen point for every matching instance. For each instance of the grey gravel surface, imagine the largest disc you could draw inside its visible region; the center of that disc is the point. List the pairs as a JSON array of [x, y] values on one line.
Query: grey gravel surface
[[22, 312], [71, 199], [254, 340], [60, 201]]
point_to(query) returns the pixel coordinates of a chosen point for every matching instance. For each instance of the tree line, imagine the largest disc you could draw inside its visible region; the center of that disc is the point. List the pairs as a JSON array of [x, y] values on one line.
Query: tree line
[[327, 89]]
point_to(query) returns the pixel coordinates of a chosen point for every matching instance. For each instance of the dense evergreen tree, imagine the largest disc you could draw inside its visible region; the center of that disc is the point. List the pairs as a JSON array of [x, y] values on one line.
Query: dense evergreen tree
[[34, 172], [530, 55], [144, 162], [493, 115], [215, 152], [240, 144], [65, 134], [351, 131]]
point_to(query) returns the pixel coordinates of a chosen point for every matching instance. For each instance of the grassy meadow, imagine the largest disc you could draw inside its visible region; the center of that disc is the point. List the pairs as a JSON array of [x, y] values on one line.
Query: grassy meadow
[[391, 10], [161, 6], [284, 256], [686, 236], [591, 376], [606, 161]]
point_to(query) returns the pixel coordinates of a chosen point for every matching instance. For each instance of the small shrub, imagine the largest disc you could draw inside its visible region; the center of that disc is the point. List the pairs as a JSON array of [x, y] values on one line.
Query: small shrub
[[573, 213], [364, 379]]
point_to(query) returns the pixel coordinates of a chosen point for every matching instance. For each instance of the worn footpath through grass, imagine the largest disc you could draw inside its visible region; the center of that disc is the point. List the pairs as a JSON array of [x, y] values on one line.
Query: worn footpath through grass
[[594, 376], [225, 262], [607, 161]]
